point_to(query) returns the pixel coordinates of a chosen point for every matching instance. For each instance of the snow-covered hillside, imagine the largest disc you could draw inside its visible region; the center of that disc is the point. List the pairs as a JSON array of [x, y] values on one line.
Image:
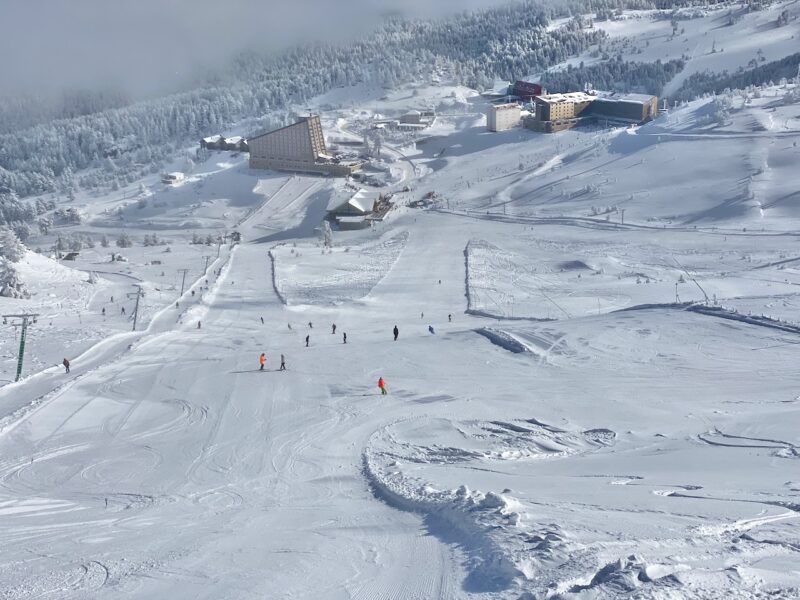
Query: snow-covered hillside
[[592, 391]]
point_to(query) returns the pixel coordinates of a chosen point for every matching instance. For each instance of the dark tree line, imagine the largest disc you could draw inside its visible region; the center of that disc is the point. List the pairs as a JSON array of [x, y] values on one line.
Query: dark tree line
[[615, 75], [698, 84]]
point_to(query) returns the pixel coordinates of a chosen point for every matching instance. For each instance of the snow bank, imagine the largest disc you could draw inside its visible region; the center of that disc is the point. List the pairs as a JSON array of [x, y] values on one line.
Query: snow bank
[[505, 547], [503, 339]]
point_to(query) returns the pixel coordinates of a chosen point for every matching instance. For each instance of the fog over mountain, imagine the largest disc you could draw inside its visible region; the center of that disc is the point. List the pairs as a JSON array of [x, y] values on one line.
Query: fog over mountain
[[150, 46]]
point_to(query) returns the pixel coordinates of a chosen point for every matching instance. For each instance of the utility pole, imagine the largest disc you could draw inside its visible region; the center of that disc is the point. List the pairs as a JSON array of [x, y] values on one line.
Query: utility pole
[[677, 300], [183, 281], [205, 270], [25, 319], [622, 211], [138, 293]]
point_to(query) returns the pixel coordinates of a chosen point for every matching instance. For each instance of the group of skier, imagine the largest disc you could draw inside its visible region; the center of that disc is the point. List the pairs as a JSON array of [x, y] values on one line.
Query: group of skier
[[262, 359]]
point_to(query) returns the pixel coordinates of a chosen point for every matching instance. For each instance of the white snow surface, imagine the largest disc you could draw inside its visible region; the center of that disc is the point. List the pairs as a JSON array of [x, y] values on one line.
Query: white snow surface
[[565, 432]]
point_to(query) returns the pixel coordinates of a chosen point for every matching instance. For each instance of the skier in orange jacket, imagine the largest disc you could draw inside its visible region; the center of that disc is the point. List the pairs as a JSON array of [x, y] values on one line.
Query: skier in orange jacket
[[262, 361], [382, 386]]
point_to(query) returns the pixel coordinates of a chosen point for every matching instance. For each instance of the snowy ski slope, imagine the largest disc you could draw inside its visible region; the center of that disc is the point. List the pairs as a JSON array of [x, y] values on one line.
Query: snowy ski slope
[[604, 410]]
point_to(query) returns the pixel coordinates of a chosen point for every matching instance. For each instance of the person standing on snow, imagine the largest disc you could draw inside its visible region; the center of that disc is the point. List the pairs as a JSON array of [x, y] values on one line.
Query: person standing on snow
[[308, 336], [344, 337], [262, 361], [430, 329], [450, 318], [333, 329], [283, 364], [396, 332], [65, 362], [382, 386]]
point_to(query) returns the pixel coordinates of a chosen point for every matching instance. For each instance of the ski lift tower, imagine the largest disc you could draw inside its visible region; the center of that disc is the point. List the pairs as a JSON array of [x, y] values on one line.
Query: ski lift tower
[[23, 324]]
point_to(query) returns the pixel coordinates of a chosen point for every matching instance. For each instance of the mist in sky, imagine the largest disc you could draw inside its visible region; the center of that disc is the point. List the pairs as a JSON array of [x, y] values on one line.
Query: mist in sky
[[147, 46]]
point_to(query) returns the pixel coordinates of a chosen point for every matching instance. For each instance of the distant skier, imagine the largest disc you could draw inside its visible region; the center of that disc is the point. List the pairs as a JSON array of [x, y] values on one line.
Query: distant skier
[[262, 360], [198, 324], [422, 315], [430, 329], [344, 337], [112, 298], [396, 332], [283, 364], [104, 311], [308, 336], [450, 318], [262, 320], [310, 326], [290, 326], [333, 329], [192, 292], [123, 310], [382, 386], [65, 362]]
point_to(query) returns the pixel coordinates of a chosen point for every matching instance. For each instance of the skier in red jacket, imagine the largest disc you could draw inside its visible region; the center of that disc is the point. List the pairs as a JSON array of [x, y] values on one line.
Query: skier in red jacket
[[382, 386]]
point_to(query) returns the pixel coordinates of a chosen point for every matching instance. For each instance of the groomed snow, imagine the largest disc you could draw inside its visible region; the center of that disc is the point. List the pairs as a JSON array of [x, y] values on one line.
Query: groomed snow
[[564, 431]]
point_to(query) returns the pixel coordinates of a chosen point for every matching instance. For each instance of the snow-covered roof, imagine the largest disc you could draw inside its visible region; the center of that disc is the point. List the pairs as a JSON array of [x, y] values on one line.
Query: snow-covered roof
[[567, 97], [509, 106], [212, 139], [617, 97], [234, 140], [363, 200], [414, 113]]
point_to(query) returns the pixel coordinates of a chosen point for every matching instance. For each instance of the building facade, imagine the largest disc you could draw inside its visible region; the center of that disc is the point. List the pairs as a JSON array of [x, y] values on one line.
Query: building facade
[[526, 90], [635, 108], [557, 112], [503, 116], [299, 147]]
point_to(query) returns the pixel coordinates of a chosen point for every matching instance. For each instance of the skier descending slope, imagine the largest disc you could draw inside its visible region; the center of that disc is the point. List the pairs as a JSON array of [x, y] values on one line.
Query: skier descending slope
[[261, 361], [382, 386], [396, 332]]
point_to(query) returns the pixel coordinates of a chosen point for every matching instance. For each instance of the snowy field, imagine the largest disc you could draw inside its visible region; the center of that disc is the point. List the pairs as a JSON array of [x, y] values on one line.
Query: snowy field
[[606, 407]]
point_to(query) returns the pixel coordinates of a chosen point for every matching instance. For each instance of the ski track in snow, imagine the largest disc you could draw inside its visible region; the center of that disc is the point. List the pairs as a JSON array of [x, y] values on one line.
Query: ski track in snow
[[575, 431]]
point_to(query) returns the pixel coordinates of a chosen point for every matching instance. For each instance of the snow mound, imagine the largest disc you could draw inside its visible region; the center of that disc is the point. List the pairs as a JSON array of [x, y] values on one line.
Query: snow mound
[[504, 340], [42, 275], [310, 275], [504, 546]]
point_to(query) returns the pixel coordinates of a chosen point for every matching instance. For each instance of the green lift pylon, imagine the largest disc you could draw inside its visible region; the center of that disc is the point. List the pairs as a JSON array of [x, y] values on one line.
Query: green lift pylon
[[26, 318]]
